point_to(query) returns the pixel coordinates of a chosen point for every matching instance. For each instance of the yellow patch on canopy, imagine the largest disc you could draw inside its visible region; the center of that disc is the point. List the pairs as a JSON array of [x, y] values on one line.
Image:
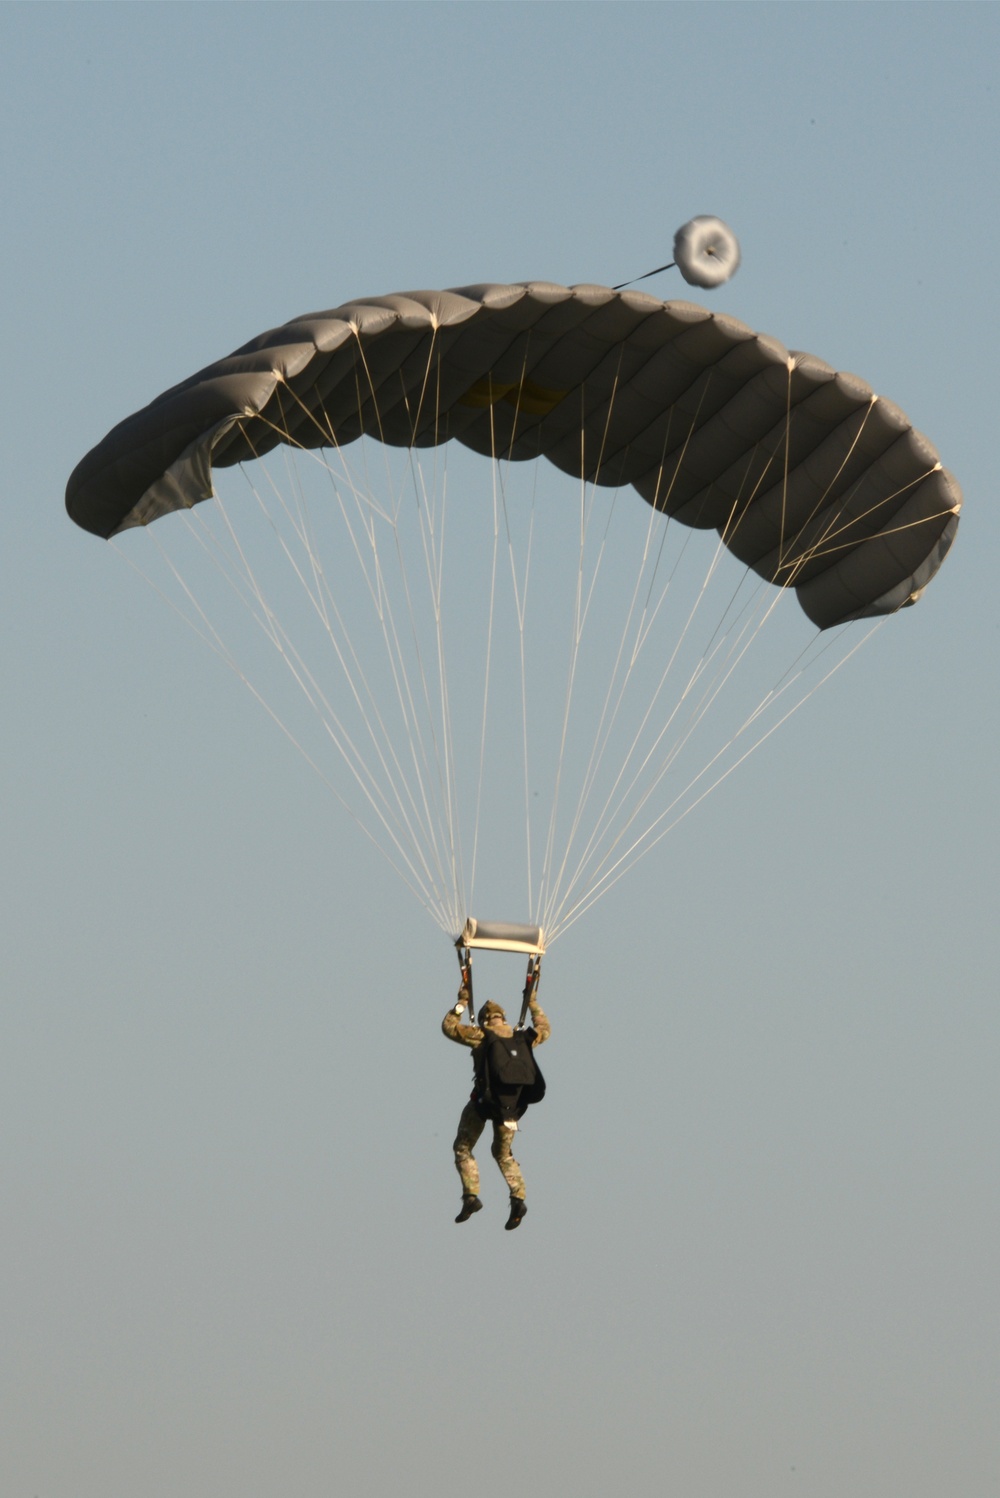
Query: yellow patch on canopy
[[523, 395]]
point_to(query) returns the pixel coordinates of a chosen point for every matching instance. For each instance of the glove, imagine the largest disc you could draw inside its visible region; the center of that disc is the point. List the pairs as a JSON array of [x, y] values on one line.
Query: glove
[[463, 996]]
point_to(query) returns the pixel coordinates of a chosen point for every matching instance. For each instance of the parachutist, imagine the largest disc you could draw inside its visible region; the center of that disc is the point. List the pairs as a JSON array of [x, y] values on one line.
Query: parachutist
[[506, 1081]]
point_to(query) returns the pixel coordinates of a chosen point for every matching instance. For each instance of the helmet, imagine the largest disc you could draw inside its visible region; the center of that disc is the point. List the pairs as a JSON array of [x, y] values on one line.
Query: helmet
[[491, 1011]]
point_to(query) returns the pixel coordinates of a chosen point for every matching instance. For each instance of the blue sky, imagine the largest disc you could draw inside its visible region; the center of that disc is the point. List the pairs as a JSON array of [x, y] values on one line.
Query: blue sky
[[759, 1257]]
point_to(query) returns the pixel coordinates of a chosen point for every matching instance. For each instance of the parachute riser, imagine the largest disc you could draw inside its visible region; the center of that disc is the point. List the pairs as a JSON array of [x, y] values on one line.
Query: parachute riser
[[530, 987], [464, 956], [501, 937], [530, 990]]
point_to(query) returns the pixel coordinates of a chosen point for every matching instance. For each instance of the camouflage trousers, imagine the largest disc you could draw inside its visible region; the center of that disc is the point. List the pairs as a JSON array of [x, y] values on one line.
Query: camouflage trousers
[[470, 1126]]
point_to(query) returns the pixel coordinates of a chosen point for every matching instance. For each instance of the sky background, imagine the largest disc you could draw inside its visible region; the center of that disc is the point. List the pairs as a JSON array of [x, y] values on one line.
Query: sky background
[[760, 1257]]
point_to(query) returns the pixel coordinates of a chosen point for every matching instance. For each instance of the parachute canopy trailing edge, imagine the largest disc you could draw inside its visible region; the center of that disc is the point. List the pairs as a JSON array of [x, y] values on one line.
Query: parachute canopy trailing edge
[[809, 478]]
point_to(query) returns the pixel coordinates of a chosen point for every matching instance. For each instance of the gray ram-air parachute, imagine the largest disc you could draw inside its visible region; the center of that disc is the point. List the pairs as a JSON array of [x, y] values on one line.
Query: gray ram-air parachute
[[808, 478]]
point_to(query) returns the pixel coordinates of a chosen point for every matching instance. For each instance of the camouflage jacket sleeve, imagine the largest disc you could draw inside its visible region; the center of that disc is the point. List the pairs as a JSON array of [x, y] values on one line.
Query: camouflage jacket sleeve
[[539, 1023], [452, 1026]]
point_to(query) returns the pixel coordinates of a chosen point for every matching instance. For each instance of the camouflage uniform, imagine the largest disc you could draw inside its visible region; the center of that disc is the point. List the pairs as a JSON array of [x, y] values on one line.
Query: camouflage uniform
[[474, 1120]]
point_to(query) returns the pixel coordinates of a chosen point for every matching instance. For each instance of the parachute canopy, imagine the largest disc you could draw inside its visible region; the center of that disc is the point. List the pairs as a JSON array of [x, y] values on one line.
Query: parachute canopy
[[385, 567], [808, 477]]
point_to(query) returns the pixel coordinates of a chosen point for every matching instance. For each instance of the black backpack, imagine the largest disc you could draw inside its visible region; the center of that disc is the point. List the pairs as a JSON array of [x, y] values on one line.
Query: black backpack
[[508, 1079]]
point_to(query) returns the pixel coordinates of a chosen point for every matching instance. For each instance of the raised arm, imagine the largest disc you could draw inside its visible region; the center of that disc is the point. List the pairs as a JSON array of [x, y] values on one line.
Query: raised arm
[[452, 1026], [539, 1022]]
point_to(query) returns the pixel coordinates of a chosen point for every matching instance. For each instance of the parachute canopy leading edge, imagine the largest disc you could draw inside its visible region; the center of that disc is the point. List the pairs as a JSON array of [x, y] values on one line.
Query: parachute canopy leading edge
[[809, 478]]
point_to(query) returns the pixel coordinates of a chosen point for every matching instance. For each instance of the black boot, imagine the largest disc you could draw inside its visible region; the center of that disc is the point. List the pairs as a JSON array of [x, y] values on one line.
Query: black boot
[[470, 1205], [517, 1211]]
